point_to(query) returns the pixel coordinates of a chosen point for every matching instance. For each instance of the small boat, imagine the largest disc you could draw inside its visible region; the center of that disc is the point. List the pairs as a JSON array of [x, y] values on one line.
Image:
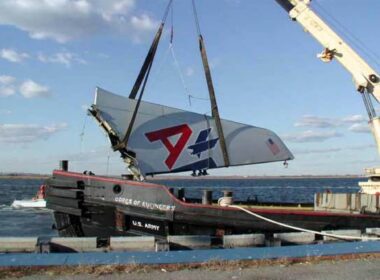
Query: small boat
[[29, 203], [36, 202]]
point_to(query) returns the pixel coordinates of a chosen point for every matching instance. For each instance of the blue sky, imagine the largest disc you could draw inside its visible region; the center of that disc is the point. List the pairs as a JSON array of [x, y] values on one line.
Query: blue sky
[[53, 53]]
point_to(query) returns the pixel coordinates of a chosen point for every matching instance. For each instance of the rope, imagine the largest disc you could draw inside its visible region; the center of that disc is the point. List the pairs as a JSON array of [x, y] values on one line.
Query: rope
[[177, 64], [346, 237], [158, 69], [197, 25], [172, 25], [176, 61], [199, 98], [167, 11], [108, 160], [180, 73], [81, 135]]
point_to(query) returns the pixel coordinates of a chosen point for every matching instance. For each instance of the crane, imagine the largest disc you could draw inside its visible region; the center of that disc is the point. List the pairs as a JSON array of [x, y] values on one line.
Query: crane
[[366, 79]]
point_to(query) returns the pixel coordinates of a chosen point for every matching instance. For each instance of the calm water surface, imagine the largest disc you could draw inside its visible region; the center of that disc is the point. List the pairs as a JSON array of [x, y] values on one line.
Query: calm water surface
[[22, 222], [273, 190]]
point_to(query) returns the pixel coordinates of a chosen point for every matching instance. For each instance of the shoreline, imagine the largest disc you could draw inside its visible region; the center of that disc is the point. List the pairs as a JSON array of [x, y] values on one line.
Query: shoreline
[[24, 177], [170, 178]]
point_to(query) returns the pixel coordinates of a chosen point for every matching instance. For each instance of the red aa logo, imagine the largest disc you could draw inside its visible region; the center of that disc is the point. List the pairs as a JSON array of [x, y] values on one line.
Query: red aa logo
[[174, 150]]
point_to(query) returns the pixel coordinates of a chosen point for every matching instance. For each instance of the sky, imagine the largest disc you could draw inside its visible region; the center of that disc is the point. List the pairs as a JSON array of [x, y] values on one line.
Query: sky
[[54, 53]]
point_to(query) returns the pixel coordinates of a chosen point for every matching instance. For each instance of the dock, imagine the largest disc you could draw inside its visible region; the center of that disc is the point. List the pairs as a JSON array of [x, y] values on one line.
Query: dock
[[148, 250]]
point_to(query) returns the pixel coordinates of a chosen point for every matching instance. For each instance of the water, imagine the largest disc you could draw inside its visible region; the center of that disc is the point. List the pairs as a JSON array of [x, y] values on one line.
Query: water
[[22, 222], [32, 222], [299, 190]]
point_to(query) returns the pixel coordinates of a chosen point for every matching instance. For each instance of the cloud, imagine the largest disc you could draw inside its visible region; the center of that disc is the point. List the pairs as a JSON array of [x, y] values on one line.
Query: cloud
[[354, 119], [27, 133], [313, 121], [364, 162], [65, 58], [7, 80], [12, 55], [334, 150], [6, 91], [65, 20], [6, 86], [30, 89], [362, 147], [359, 128], [321, 122], [318, 151], [311, 136], [99, 153], [143, 23]]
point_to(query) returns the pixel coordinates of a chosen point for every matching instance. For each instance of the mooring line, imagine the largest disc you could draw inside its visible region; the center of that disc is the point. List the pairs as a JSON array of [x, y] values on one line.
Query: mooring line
[[346, 237]]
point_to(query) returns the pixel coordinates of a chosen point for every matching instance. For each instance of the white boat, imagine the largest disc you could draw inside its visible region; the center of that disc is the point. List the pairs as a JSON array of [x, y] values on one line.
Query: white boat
[[38, 201], [29, 203]]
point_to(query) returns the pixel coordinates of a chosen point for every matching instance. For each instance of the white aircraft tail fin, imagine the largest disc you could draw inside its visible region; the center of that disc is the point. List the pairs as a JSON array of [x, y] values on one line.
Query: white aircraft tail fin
[[168, 140]]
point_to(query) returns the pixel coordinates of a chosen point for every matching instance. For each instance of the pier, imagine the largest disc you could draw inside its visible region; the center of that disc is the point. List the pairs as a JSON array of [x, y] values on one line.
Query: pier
[[189, 256], [147, 250]]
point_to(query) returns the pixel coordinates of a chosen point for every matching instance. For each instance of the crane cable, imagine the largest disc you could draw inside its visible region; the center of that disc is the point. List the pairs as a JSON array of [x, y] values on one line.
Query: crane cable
[[338, 236]]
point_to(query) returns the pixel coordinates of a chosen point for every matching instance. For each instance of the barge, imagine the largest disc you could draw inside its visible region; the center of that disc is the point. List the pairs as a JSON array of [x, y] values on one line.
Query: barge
[[89, 205]]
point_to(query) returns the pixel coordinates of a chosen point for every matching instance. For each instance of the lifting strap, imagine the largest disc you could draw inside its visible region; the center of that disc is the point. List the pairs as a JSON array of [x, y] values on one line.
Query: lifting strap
[[210, 86], [135, 111], [142, 79], [148, 61]]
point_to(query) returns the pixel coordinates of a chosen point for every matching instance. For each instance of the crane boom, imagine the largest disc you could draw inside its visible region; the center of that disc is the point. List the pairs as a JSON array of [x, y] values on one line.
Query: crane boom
[[364, 76], [366, 80]]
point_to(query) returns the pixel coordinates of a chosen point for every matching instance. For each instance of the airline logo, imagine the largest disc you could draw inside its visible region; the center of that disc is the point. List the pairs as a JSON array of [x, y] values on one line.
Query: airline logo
[[174, 150], [202, 143]]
